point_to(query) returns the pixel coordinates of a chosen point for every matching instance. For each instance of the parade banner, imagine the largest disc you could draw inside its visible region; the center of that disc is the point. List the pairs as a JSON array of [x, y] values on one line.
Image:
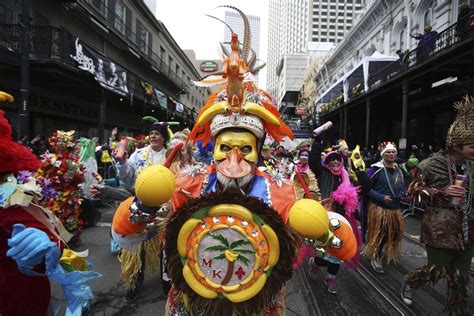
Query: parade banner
[[162, 98], [107, 73]]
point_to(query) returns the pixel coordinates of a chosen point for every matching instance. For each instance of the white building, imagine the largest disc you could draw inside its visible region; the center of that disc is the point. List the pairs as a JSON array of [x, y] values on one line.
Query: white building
[[287, 33], [234, 20], [293, 24], [385, 27], [293, 68], [330, 20]]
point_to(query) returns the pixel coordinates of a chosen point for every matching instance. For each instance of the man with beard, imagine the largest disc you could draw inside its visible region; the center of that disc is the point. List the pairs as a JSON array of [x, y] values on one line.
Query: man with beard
[[229, 246]]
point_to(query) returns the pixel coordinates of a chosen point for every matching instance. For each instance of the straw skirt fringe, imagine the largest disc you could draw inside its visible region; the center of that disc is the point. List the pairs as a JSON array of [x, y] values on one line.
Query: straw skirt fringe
[[131, 262], [383, 222]]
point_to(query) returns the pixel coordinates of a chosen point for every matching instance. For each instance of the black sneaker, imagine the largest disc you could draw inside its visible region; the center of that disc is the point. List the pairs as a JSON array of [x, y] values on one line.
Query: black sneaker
[[407, 294], [131, 295]]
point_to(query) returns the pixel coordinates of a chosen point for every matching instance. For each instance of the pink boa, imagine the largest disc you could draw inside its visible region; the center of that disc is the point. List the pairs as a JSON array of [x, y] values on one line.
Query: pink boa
[[347, 194], [305, 251]]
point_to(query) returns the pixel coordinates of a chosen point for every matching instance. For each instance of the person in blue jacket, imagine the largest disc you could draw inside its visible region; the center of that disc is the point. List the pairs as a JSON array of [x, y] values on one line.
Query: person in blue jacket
[[385, 221]]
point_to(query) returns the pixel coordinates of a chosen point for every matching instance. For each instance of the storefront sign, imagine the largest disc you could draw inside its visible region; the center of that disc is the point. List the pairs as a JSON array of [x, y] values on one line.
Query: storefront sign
[[208, 66], [62, 108], [179, 107], [109, 75]]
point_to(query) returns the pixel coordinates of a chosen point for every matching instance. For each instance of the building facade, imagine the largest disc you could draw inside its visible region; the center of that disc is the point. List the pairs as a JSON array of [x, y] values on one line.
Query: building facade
[[94, 65], [330, 20], [408, 100], [293, 24], [385, 27]]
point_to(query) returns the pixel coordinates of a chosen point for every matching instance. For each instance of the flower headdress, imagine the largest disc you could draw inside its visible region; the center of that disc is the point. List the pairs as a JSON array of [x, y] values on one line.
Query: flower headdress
[[67, 137]]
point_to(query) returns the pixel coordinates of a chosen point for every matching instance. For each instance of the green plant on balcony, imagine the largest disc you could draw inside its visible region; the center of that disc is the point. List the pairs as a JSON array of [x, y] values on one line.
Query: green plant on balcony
[[356, 90]]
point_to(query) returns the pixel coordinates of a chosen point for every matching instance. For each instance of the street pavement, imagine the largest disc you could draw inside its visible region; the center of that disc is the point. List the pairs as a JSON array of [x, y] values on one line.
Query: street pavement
[[360, 292]]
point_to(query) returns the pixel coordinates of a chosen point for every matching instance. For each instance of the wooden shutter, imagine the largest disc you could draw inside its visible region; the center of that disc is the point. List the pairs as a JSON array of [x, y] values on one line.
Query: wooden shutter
[[111, 12], [150, 45], [138, 32], [128, 23]]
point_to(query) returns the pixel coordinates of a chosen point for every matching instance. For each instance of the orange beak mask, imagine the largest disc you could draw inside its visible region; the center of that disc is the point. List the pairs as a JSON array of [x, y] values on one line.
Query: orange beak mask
[[235, 153]]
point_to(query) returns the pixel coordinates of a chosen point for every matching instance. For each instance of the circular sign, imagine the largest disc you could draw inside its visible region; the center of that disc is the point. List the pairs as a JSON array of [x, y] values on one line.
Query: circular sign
[[208, 66]]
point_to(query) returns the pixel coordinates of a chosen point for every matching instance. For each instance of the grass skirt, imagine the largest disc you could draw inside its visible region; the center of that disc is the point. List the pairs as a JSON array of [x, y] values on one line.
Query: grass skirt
[[131, 262], [384, 225]]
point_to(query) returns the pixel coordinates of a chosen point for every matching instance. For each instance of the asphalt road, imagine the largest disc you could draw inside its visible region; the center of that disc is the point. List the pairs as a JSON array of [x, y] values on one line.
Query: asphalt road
[[360, 292]]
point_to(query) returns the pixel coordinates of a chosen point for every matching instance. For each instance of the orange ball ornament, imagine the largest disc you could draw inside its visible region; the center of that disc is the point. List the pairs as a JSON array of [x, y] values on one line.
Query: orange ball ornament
[[348, 248], [121, 222]]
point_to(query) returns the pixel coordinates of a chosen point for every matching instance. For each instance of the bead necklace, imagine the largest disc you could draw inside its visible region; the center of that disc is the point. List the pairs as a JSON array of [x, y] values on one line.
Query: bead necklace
[[466, 208]]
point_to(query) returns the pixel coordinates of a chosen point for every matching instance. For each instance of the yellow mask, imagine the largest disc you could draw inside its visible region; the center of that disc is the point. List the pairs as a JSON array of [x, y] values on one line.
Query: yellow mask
[[245, 142]]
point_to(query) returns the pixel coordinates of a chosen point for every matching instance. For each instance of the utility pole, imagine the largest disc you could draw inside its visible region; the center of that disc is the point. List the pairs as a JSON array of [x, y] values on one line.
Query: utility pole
[[25, 69]]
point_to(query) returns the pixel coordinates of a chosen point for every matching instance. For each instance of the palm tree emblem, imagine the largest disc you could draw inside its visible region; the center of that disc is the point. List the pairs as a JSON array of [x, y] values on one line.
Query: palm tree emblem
[[231, 252]]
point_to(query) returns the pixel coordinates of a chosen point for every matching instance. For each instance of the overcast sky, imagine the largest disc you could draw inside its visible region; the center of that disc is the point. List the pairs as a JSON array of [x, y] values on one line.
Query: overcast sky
[[186, 21]]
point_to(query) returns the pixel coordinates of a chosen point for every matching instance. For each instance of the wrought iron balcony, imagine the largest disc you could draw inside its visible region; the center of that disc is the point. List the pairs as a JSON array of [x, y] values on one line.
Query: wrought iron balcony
[[108, 16], [52, 44], [428, 51]]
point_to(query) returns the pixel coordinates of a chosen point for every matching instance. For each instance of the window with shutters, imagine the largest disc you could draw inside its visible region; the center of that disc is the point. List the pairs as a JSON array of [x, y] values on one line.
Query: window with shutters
[[162, 53], [144, 39], [99, 5], [120, 16], [9, 11]]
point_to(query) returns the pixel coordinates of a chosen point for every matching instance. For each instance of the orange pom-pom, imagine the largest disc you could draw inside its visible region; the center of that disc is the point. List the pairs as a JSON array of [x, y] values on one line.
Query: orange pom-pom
[[121, 223], [349, 245]]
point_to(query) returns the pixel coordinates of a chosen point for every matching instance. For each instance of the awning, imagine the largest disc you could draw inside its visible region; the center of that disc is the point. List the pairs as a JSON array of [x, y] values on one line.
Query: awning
[[357, 75], [360, 73]]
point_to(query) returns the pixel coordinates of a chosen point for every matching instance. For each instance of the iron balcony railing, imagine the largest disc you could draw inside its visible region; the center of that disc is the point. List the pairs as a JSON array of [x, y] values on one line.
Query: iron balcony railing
[[51, 44], [451, 36], [108, 15]]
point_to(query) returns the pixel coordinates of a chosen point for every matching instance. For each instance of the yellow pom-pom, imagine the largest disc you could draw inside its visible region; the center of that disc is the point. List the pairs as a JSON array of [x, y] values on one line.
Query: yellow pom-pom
[[155, 185], [309, 219]]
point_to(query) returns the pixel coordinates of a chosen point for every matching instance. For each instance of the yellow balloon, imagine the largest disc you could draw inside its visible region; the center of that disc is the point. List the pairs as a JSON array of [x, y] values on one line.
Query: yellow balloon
[[155, 185], [309, 219]]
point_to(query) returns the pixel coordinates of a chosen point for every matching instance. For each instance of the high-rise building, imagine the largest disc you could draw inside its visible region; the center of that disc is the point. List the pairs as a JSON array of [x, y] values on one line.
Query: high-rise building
[[234, 20], [330, 20], [293, 24]]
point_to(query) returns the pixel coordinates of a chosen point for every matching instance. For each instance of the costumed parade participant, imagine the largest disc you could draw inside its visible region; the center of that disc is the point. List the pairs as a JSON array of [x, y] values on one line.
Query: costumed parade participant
[[132, 263], [60, 175], [267, 163], [230, 222], [32, 239], [385, 220], [302, 172], [445, 181], [340, 197]]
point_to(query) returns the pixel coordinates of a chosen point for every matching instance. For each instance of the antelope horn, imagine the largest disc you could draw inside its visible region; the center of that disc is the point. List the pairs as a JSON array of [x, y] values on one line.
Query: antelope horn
[[247, 34]]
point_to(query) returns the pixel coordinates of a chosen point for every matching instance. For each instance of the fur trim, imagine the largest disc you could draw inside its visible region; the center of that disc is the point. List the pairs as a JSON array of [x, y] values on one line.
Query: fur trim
[[280, 273], [14, 157]]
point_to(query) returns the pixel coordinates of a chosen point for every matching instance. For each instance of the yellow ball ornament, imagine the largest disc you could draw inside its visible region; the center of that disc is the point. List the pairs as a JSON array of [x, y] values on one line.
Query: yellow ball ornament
[[155, 185], [309, 219]]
